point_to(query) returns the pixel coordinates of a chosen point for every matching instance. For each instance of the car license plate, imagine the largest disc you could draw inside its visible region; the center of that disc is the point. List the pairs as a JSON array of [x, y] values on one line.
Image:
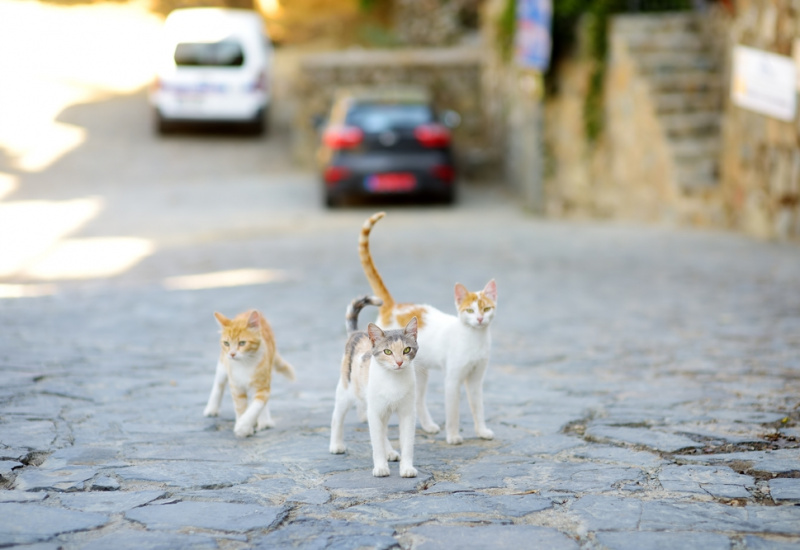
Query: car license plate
[[391, 183]]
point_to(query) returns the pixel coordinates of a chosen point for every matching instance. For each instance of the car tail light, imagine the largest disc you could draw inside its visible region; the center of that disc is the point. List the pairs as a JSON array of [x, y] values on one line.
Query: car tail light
[[335, 174], [343, 137], [444, 172], [432, 135]]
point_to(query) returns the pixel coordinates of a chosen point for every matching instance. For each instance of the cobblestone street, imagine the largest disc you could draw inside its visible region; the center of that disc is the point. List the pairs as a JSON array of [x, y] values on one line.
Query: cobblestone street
[[643, 391]]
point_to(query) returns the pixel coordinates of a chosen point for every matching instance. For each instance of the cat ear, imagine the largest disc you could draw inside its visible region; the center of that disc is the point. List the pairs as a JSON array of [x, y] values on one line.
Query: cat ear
[[461, 293], [254, 320], [221, 319], [411, 328], [374, 332], [490, 290]]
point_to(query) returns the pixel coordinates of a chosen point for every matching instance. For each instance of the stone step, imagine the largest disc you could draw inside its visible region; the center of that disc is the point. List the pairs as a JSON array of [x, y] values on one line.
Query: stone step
[[669, 62], [697, 174], [701, 123], [685, 82], [654, 23], [676, 102], [689, 148], [685, 42]]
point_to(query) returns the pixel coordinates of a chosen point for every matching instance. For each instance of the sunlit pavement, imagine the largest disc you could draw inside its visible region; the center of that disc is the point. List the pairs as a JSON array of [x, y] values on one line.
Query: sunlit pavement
[[643, 387]]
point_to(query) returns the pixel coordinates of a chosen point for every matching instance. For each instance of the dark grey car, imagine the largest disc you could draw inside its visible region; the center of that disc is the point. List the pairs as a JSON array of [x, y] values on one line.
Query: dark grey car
[[386, 143]]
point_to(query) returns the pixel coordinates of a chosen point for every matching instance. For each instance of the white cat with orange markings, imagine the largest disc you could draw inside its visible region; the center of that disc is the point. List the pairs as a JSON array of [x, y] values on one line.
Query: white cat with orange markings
[[246, 360], [460, 344]]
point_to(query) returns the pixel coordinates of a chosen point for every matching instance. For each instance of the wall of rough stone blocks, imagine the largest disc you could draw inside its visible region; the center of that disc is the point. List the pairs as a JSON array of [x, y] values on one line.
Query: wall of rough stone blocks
[[761, 156], [452, 75]]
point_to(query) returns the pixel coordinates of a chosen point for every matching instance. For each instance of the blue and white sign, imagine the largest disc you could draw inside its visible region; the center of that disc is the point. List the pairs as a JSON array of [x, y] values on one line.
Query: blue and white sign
[[532, 40]]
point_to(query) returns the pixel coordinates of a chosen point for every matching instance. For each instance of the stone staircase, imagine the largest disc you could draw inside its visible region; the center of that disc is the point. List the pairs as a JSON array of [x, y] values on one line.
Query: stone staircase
[[676, 61]]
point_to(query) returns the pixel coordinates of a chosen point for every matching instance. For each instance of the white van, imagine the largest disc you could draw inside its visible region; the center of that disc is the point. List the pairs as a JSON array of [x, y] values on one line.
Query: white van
[[215, 66]]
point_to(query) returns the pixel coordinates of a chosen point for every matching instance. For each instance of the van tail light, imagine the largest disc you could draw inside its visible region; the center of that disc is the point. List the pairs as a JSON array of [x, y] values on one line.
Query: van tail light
[[444, 172], [260, 83], [343, 137], [335, 174], [432, 135]]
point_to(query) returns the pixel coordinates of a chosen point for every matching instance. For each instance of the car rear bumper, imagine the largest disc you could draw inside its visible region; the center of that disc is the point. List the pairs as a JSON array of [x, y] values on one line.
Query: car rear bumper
[[360, 185], [240, 107]]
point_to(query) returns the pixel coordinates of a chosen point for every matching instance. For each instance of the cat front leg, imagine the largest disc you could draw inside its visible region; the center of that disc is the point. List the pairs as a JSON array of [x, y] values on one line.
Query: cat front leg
[[246, 419], [337, 445], [378, 428], [217, 389], [425, 419], [474, 383], [452, 388], [407, 425], [264, 419]]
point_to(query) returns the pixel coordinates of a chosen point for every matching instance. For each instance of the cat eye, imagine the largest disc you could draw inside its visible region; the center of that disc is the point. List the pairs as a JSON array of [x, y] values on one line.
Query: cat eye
[[387, 351], [487, 309], [470, 310], [407, 351], [226, 344], [242, 343]]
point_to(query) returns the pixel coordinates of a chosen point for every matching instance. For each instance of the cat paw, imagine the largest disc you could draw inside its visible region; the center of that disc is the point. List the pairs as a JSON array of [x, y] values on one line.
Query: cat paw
[[381, 471], [392, 455], [485, 433], [264, 425], [455, 439], [337, 448], [432, 428], [211, 411], [242, 431], [408, 471]]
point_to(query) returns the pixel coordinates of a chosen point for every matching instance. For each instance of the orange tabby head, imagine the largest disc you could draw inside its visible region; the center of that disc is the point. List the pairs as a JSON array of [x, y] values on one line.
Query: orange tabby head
[[476, 309], [240, 336]]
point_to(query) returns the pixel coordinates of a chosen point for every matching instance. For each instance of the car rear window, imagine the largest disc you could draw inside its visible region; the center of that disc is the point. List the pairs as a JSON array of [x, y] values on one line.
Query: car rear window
[[226, 53], [379, 117]]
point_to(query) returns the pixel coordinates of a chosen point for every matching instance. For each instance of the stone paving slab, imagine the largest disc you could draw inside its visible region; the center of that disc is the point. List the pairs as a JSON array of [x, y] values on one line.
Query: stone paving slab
[[435, 537], [785, 489], [28, 523], [663, 541], [220, 516]]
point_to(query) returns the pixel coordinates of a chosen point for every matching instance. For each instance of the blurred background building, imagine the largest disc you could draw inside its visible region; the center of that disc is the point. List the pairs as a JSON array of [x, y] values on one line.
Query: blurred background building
[[669, 111]]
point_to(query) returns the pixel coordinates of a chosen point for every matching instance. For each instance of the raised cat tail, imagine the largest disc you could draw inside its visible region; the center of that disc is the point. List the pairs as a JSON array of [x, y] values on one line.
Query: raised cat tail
[[283, 367], [355, 307], [374, 278]]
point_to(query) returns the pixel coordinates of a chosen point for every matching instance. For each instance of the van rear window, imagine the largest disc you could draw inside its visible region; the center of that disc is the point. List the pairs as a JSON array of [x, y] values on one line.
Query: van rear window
[[209, 54]]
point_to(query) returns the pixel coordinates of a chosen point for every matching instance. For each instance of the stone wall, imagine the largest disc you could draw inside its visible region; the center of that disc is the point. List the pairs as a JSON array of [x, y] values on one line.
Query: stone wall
[[761, 160], [452, 75], [738, 170]]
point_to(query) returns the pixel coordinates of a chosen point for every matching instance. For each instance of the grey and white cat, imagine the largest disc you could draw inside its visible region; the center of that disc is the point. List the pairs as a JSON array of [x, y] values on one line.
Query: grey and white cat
[[377, 374]]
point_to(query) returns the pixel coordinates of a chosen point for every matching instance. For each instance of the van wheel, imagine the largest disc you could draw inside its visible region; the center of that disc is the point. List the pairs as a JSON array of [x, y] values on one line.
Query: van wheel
[[258, 125], [163, 126]]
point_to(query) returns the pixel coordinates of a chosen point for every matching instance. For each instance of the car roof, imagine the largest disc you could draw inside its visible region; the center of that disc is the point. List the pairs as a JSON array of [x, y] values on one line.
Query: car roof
[[208, 24]]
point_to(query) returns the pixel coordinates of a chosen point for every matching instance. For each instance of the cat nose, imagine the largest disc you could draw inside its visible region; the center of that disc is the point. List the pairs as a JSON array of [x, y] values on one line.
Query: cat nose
[[480, 320], [399, 363]]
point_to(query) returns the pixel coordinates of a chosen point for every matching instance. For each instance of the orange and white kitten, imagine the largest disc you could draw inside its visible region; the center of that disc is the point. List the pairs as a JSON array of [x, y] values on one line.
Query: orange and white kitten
[[246, 360], [378, 375], [460, 344]]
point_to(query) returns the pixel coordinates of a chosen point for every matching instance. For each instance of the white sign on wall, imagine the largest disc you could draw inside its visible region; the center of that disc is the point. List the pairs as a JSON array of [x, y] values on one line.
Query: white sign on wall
[[764, 82]]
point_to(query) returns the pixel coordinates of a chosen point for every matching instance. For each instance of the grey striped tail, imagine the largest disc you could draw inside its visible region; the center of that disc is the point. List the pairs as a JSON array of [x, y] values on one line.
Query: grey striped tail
[[355, 307]]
